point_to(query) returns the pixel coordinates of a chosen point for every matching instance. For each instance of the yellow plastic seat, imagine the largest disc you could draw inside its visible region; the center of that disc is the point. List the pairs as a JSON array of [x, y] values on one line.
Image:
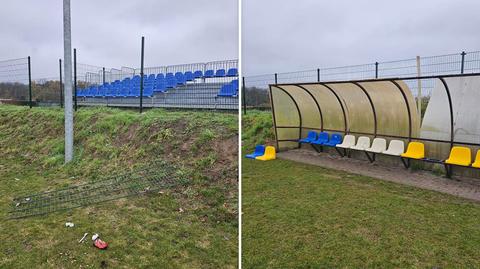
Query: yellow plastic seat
[[269, 154], [415, 150], [460, 156], [476, 163]]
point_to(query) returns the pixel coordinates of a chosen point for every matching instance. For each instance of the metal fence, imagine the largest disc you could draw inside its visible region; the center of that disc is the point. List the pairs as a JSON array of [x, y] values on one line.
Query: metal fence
[[15, 81], [255, 95], [17, 87]]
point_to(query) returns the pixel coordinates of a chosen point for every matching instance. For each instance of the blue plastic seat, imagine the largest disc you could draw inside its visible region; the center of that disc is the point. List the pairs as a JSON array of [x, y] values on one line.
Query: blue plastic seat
[[321, 139], [124, 92], [235, 84], [160, 76], [227, 90], [335, 139], [180, 78], [198, 74], [220, 73], [148, 91], [100, 92], [259, 151], [171, 82], [311, 136], [232, 72], [209, 74], [189, 76]]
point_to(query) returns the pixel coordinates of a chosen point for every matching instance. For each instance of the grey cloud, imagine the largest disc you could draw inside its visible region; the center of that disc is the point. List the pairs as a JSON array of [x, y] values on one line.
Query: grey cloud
[[107, 33], [281, 36]]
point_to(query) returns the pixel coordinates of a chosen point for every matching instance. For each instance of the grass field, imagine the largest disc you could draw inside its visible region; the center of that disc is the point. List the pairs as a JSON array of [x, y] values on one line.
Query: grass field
[[192, 226], [301, 216]]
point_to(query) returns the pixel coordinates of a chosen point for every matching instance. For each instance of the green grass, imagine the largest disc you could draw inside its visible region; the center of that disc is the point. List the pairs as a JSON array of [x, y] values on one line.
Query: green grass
[[301, 216], [148, 231], [257, 129]]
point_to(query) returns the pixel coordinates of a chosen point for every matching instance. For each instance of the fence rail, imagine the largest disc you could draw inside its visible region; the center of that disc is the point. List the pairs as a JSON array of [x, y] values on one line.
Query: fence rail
[[255, 94], [17, 87]]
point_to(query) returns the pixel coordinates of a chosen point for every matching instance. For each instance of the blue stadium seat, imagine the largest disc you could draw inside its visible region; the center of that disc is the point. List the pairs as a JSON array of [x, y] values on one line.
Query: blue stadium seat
[[148, 91], [198, 74], [334, 140], [220, 73], [311, 136], [160, 76], [91, 91], [232, 72], [322, 138], [100, 92], [259, 151], [209, 74], [227, 90], [189, 76], [180, 78], [235, 84], [160, 86], [124, 92], [171, 82]]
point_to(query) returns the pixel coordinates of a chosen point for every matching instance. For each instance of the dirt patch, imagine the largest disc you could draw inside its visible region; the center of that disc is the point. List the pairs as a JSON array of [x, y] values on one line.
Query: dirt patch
[[462, 187]]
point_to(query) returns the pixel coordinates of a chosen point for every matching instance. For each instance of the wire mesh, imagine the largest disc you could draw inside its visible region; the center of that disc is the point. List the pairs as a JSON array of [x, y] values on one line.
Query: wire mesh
[[14, 80], [161, 175], [256, 86], [199, 92]]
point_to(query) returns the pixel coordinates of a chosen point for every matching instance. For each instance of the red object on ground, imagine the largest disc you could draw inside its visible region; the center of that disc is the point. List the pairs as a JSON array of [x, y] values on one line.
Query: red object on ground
[[100, 244]]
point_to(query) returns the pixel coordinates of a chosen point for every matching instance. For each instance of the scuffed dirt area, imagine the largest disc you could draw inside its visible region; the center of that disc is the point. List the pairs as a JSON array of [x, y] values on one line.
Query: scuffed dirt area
[[462, 187]]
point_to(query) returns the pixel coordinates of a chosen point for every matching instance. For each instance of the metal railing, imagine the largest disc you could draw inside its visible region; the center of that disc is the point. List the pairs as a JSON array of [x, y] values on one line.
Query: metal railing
[[255, 94]]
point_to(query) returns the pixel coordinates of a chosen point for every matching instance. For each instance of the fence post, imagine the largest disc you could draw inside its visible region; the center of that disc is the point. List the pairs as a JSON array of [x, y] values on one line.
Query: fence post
[[29, 83], [141, 76], [376, 69], [463, 62], [276, 78], [75, 77], [103, 75], [61, 82], [244, 96], [419, 90], [318, 74]]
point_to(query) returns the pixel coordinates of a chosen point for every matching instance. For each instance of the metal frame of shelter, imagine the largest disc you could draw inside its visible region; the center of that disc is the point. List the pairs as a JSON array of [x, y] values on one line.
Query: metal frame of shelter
[[357, 83]]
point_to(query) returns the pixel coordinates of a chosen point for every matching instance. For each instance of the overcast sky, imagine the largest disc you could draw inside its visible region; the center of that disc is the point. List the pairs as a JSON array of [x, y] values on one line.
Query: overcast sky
[[281, 36], [108, 33]]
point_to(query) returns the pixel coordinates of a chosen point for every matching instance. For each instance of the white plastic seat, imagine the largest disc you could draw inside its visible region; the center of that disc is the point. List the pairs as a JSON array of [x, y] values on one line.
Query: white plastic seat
[[348, 141], [378, 145], [363, 143], [395, 148]]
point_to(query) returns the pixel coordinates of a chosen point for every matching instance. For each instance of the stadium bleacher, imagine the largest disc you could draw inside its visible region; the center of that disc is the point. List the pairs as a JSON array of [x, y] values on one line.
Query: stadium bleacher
[[161, 83]]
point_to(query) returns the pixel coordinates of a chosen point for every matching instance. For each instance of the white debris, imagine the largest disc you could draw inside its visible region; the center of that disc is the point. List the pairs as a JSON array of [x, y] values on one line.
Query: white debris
[[94, 237], [17, 179], [27, 199], [83, 238], [17, 204], [69, 224]]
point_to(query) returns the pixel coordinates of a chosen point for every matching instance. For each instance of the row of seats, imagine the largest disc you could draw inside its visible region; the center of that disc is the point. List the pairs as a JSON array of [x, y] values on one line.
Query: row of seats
[[379, 145], [460, 156], [229, 89], [130, 87]]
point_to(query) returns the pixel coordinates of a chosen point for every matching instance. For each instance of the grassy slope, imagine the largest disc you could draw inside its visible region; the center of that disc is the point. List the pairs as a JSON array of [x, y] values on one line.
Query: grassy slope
[[257, 129], [296, 215], [144, 231]]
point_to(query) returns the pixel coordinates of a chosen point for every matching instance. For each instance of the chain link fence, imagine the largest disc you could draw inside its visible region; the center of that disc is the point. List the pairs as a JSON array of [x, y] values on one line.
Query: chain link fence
[[255, 88]]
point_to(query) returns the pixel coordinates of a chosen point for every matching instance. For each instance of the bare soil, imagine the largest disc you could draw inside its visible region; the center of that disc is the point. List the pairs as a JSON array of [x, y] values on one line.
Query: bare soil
[[468, 188]]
